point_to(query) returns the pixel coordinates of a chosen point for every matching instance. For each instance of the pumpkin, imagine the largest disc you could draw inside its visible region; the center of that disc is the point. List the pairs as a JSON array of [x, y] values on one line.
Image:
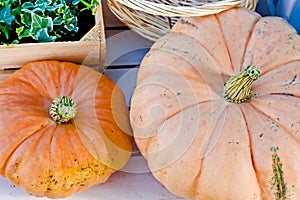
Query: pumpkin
[[216, 108], [63, 128]]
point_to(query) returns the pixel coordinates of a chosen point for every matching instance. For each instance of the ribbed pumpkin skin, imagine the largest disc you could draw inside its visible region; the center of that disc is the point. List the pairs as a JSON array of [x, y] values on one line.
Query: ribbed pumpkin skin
[[47, 159], [197, 144]]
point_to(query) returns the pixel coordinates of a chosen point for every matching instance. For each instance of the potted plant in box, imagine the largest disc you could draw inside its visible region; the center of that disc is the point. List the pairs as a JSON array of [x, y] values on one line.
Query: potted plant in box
[[51, 29]]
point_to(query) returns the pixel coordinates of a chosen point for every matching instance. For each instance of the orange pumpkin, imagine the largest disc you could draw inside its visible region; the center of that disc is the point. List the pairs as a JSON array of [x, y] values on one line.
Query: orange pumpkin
[[63, 128], [216, 108]]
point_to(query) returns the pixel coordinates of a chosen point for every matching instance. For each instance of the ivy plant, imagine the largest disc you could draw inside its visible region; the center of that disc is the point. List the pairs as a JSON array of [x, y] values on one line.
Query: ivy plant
[[41, 20]]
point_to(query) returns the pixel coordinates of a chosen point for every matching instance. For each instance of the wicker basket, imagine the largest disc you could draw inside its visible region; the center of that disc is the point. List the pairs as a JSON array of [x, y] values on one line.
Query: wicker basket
[[154, 18], [90, 50]]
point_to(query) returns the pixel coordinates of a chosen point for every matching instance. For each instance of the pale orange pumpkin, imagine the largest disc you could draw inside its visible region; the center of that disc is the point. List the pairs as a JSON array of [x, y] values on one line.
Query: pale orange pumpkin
[[63, 128], [216, 108]]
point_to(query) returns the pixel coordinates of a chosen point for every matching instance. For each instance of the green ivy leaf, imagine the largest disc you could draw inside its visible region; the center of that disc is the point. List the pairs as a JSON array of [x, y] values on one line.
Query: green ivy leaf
[[39, 22], [16, 11], [28, 5], [26, 33], [19, 30], [43, 2], [26, 19], [35, 10], [54, 7], [58, 21], [22, 32], [69, 18], [71, 27], [42, 20], [15, 42], [5, 15], [43, 36], [75, 2], [5, 29]]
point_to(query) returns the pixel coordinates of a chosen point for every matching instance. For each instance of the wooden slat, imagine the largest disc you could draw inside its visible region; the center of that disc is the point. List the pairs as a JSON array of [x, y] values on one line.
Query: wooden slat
[[120, 186], [78, 52], [125, 48], [5, 74]]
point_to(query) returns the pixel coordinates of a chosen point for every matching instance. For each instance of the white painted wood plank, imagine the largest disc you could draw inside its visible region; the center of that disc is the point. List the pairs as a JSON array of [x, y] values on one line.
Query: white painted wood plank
[[120, 186], [125, 79], [133, 182], [125, 48]]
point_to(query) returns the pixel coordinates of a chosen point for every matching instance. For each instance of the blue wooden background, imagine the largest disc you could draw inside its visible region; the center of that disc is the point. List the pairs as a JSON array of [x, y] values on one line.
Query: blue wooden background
[[287, 9]]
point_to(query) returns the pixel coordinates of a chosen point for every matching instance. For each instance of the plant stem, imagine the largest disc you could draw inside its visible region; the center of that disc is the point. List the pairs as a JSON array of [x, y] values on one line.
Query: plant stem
[[63, 109], [237, 88], [86, 4]]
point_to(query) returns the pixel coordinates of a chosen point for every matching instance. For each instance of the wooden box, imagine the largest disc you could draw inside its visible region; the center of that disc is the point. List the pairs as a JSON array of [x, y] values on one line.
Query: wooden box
[[90, 50]]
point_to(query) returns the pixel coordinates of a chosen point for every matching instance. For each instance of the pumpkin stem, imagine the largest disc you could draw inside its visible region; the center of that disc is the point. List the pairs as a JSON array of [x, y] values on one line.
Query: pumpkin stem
[[277, 181], [63, 109], [237, 88]]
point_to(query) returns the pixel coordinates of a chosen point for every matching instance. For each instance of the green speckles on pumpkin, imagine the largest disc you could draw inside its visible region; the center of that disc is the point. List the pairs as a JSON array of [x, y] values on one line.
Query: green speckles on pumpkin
[[260, 31], [77, 177], [183, 21], [277, 182]]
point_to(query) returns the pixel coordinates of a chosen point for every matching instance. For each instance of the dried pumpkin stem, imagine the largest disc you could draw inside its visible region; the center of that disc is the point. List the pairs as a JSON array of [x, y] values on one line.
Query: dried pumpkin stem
[[63, 109], [238, 88]]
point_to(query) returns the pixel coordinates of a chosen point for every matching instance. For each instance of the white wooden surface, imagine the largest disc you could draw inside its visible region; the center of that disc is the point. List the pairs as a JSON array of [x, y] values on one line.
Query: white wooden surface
[[121, 186], [125, 50], [134, 182]]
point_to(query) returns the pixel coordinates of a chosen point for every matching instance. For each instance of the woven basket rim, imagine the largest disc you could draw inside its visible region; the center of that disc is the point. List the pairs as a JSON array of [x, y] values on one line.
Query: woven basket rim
[[154, 18], [168, 10]]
